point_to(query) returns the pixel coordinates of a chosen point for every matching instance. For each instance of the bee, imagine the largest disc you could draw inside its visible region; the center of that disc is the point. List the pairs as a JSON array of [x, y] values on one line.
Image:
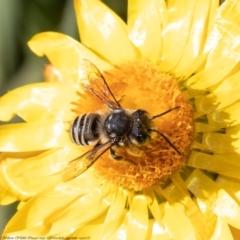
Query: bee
[[107, 131]]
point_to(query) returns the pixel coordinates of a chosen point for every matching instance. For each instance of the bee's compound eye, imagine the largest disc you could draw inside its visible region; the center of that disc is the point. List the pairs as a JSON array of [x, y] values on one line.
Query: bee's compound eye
[[117, 124], [140, 138]]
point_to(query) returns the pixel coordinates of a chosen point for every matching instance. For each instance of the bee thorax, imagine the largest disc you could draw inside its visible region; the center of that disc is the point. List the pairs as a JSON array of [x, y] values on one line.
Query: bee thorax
[[117, 124]]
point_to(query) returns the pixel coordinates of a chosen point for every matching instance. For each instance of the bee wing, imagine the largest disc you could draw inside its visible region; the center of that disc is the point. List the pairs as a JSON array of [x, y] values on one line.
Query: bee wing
[[79, 165], [97, 85]]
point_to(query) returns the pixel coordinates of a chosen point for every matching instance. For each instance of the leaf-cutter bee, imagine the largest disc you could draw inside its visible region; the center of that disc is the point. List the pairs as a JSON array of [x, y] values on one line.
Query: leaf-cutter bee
[[118, 128]]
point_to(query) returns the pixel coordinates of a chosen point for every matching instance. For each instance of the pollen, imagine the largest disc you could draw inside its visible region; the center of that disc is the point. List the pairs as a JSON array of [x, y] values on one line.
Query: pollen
[[142, 85]]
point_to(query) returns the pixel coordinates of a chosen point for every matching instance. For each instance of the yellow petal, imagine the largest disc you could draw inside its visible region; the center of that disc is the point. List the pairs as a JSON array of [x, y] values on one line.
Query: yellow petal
[[211, 75], [234, 131], [231, 184], [8, 190], [214, 101], [33, 136], [23, 176], [122, 232], [180, 15], [229, 84], [89, 231], [103, 31], [225, 117], [20, 187], [219, 227], [158, 232], [179, 183], [155, 232], [222, 231], [203, 127], [223, 40], [38, 101], [213, 9], [6, 194], [223, 164], [89, 207], [64, 199], [65, 54], [179, 198], [115, 214], [143, 23], [227, 90], [138, 218], [196, 37], [214, 198], [44, 164], [154, 206], [172, 219], [219, 143]]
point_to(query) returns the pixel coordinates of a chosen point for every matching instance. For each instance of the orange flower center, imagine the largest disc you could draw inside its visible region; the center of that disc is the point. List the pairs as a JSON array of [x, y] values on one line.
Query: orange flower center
[[141, 85]]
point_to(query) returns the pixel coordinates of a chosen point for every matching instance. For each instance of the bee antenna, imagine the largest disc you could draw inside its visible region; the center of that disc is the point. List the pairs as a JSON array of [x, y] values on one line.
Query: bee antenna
[[161, 114], [161, 134]]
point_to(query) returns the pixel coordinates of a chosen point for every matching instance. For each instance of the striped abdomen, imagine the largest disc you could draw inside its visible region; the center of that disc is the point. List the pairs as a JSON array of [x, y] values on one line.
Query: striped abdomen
[[84, 129]]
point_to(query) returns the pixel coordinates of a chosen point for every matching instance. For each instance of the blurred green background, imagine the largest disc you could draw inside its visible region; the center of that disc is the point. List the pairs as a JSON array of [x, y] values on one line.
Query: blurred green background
[[19, 21]]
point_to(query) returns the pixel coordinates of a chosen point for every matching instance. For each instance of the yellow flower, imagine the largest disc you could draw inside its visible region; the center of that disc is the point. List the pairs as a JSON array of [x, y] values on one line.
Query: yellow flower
[[181, 54]]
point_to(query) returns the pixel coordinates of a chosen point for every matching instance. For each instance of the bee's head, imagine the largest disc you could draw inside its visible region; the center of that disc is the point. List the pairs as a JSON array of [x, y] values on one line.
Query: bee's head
[[141, 123]]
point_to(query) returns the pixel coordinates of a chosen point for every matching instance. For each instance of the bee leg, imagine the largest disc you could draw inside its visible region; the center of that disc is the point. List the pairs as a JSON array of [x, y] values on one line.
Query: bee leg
[[114, 156], [119, 158]]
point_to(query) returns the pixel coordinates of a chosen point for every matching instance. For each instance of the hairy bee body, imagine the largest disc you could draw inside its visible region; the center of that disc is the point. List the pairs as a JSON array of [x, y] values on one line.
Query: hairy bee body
[[84, 130], [118, 127], [121, 127]]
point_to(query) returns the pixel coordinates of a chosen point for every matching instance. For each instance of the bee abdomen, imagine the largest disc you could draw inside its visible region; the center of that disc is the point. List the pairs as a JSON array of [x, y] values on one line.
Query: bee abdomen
[[84, 130]]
